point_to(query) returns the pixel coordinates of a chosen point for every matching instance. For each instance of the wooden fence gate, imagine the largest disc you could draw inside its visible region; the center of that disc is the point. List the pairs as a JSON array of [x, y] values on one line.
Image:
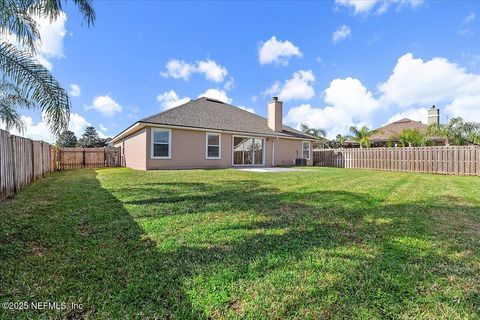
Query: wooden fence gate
[[79, 158]]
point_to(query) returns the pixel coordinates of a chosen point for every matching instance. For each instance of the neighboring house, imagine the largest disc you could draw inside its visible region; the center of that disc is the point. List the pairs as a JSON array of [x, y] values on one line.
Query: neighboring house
[[386, 134], [207, 133]]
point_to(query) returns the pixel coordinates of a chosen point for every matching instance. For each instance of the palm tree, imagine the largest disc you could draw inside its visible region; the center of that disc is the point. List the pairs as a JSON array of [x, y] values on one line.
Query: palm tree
[[410, 137], [362, 135], [20, 66], [11, 98], [455, 131], [316, 132], [341, 140], [472, 132]]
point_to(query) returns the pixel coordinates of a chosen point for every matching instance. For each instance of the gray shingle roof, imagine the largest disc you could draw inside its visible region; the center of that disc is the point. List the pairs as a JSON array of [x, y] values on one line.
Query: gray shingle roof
[[212, 114]]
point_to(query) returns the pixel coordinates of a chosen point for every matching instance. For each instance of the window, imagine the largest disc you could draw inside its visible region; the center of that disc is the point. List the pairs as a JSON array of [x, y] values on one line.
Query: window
[[212, 146], [247, 151], [161, 143], [306, 150]]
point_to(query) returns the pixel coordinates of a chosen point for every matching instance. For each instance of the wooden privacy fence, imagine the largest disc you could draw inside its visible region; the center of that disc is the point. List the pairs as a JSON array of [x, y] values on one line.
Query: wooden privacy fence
[[79, 158], [22, 161], [455, 160]]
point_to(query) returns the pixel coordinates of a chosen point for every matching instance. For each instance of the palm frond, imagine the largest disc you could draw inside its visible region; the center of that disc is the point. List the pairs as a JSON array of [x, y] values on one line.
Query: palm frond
[[10, 117], [17, 23], [53, 8], [37, 84]]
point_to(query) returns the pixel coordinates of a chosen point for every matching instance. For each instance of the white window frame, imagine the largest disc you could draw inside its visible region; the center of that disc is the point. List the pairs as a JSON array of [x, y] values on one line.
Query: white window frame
[[309, 149], [152, 143], [213, 145]]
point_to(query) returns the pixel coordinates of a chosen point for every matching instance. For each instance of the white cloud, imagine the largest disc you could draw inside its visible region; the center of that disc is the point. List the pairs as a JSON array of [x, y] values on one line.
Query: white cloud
[[247, 109], [417, 114], [379, 6], [469, 18], [415, 82], [348, 103], [170, 99], [230, 84], [278, 52], [106, 105], [299, 87], [75, 90], [465, 25], [52, 34], [341, 34], [466, 107], [78, 124], [102, 127], [217, 94], [41, 130], [179, 69], [359, 6], [212, 71]]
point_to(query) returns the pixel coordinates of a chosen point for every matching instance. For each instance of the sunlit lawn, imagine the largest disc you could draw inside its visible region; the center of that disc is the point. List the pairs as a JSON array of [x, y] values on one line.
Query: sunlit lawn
[[324, 243]]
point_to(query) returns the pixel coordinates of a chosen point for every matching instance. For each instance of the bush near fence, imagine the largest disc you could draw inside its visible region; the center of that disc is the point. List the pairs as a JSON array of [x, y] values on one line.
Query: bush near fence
[[23, 160], [454, 160]]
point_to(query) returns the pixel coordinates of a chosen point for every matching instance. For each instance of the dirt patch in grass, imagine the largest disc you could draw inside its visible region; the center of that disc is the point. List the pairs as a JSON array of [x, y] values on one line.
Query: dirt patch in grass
[[38, 249]]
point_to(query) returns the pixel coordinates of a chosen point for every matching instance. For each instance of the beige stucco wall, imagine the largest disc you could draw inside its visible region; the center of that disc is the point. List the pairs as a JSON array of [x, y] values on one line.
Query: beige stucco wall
[[188, 151], [133, 148], [287, 150]]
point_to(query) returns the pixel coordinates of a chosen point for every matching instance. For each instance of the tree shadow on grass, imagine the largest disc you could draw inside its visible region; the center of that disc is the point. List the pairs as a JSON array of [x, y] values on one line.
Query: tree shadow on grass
[[343, 253]]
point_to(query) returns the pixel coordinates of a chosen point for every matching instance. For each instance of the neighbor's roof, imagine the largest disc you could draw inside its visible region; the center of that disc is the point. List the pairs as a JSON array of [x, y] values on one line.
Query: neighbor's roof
[[386, 132], [206, 113]]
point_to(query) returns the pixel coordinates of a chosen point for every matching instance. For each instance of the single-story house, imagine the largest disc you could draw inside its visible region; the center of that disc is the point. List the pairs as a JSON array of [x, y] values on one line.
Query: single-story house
[[208, 133], [387, 135]]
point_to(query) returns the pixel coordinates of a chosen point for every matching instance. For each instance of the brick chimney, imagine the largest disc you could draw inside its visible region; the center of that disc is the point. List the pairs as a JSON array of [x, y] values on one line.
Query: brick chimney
[[275, 115], [433, 116]]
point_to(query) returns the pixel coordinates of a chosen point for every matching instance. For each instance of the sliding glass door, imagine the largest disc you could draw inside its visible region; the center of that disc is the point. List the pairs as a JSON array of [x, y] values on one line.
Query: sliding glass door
[[247, 151]]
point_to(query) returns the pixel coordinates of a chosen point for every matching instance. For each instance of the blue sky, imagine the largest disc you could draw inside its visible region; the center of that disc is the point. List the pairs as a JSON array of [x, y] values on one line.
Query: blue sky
[[334, 64]]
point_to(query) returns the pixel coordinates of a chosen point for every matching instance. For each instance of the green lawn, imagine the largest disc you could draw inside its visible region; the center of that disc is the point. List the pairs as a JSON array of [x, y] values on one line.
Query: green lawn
[[324, 243]]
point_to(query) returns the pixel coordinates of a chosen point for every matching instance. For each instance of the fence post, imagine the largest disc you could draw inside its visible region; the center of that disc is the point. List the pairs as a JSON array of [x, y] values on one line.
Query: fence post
[[59, 159], [43, 166], [33, 161], [14, 171]]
